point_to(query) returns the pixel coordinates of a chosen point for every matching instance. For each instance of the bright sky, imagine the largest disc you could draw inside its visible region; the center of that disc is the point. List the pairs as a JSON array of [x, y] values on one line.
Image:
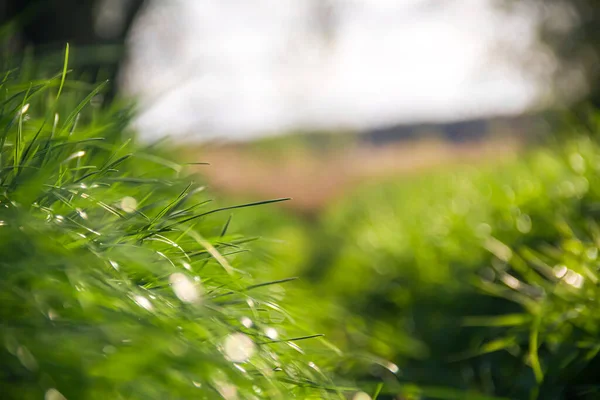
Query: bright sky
[[241, 68]]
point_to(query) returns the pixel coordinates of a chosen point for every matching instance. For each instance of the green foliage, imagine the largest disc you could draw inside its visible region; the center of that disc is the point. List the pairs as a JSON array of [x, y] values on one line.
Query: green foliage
[[477, 280], [570, 31], [119, 278]]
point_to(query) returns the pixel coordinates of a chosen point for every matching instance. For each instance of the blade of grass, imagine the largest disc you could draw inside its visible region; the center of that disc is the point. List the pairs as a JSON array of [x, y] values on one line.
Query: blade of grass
[[258, 286], [502, 320], [226, 226], [258, 203], [294, 339], [73, 115], [377, 391], [64, 72], [533, 348], [212, 250]]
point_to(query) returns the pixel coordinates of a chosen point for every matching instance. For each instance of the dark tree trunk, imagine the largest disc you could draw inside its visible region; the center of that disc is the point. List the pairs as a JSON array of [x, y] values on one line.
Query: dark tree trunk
[[95, 30]]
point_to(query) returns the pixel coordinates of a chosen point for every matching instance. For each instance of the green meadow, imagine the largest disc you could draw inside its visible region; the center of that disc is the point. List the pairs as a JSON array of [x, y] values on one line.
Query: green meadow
[[123, 275]]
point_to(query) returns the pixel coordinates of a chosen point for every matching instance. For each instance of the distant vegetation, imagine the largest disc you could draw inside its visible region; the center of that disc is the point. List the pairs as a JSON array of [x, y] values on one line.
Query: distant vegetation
[[476, 279]]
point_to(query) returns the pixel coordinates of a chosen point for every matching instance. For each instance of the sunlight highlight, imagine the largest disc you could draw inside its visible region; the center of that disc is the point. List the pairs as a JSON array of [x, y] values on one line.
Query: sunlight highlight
[[129, 204], [361, 396], [238, 347], [271, 333], [143, 302], [186, 290], [53, 394]]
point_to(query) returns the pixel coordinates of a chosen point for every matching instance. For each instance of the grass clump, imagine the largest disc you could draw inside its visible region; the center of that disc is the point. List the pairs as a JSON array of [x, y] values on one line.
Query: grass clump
[[118, 277]]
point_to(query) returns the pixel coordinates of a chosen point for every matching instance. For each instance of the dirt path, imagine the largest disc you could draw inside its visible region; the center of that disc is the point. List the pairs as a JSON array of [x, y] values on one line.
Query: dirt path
[[314, 180]]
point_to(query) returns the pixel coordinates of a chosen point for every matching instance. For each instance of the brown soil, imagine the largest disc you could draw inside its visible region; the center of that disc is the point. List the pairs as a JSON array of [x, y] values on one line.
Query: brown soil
[[314, 180]]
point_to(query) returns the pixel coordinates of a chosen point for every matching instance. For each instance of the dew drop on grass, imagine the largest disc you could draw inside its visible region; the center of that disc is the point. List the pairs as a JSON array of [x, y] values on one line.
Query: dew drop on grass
[[511, 281], [114, 264], [143, 302], [52, 315], [240, 368], [524, 223], [247, 322], [574, 279], [128, 204], [361, 396], [238, 347], [560, 271], [24, 109], [26, 358], [227, 390], [82, 213], [393, 368], [295, 347], [77, 154], [271, 333], [186, 290], [499, 249], [53, 394]]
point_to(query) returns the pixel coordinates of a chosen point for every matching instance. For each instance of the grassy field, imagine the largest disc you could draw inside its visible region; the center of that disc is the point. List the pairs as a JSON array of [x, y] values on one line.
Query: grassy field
[[471, 278], [124, 276]]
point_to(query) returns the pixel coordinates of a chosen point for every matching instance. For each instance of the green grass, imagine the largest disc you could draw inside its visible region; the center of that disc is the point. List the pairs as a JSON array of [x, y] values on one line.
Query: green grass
[[119, 277], [469, 280]]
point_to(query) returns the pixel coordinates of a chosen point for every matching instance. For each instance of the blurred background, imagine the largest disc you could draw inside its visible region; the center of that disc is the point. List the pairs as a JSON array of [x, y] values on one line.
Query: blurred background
[[398, 85], [242, 70], [397, 127]]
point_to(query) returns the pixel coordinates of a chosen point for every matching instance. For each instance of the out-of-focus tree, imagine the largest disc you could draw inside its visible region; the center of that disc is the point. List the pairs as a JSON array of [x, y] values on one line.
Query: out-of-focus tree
[[95, 29], [568, 31]]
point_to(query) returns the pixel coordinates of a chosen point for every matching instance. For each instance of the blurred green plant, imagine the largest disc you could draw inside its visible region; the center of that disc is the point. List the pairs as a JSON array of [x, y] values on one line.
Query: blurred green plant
[[118, 278], [475, 282]]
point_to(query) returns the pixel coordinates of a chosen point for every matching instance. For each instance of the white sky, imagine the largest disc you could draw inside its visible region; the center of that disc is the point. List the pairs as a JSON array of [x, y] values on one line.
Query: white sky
[[242, 68]]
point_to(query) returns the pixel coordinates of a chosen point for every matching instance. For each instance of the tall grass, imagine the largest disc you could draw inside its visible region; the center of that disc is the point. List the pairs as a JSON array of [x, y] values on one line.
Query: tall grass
[[119, 277]]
